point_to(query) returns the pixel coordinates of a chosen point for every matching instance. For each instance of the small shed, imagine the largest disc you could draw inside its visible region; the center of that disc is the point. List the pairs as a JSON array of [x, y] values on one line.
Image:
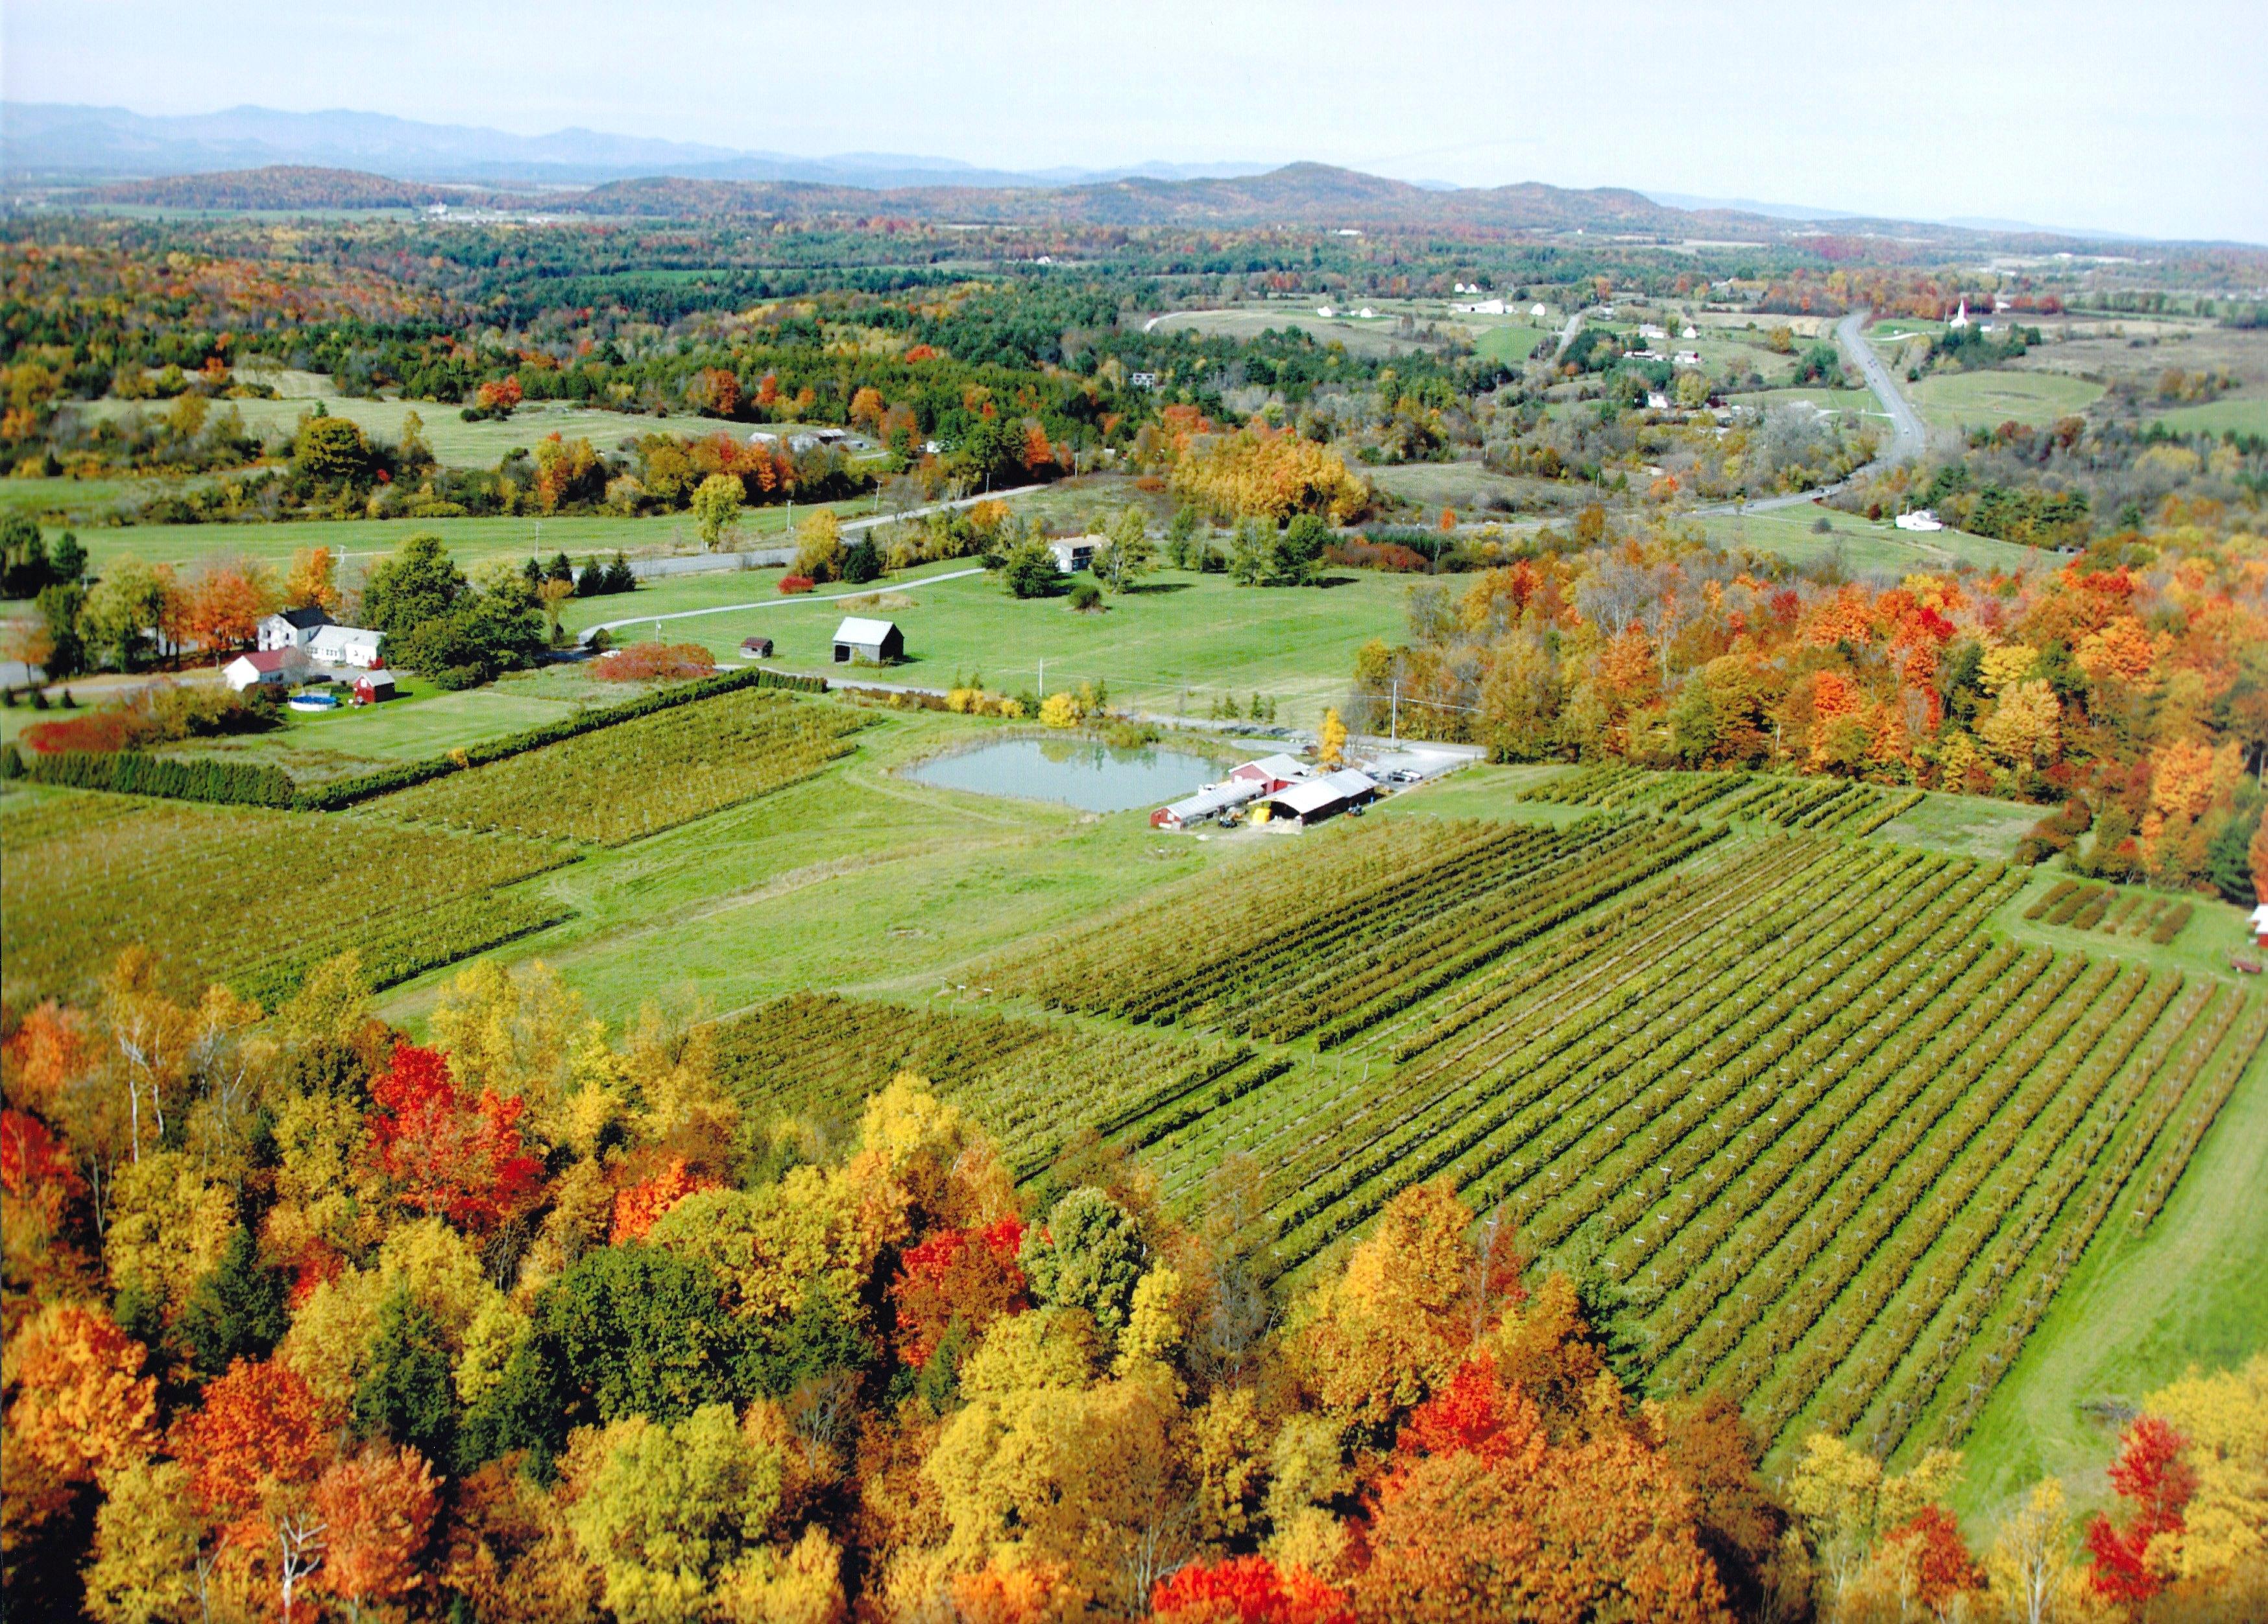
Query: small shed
[[1074, 553], [2260, 924], [1312, 799], [1207, 803], [756, 648], [868, 642], [372, 686], [264, 668]]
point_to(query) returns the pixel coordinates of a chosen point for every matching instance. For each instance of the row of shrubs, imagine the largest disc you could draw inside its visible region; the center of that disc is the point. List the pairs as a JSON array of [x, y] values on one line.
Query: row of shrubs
[[130, 772], [241, 783]]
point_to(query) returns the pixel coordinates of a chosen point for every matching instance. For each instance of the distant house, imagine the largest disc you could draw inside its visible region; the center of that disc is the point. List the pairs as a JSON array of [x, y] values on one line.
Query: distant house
[[2260, 924], [266, 668], [1481, 308], [1323, 310], [1142, 380], [1688, 357], [290, 628], [1207, 803], [1074, 553], [1689, 331], [756, 648], [346, 645], [1656, 401], [761, 439], [872, 642], [1920, 519], [1538, 312], [1960, 317], [373, 686], [1648, 330], [1313, 800]]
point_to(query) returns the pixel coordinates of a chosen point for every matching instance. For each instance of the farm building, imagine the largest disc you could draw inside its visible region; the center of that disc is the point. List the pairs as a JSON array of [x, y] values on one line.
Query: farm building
[[1920, 519], [290, 628], [1272, 773], [873, 642], [1313, 800], [266, 668], [1207, 803], [345, 645], [372, 686], [1074, 553], [2260, 924], [756, 648]]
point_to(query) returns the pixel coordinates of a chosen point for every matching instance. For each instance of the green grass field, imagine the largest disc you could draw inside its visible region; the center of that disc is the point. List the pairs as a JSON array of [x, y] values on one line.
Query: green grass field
[[1862, 544], [1985, 400], [2245, 413], [1168, 648], [470, 540], [456, 443], [1511, 343]]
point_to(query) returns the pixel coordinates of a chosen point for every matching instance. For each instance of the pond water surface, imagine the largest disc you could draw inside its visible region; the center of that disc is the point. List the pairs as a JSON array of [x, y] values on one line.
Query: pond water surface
[[1077, 772]]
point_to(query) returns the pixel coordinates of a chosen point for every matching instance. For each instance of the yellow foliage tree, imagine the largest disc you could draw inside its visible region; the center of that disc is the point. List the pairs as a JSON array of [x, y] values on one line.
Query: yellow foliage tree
[[2224, 1415]]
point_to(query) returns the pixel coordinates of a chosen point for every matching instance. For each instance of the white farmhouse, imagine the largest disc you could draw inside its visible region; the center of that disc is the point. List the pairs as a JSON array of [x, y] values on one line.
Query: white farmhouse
[[1920, 519], [346, 645], [289, 629]]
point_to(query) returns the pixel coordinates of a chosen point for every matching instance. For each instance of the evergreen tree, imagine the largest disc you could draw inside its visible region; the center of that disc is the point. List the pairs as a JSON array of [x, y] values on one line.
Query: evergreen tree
[[407, 1395], [238, 1311]]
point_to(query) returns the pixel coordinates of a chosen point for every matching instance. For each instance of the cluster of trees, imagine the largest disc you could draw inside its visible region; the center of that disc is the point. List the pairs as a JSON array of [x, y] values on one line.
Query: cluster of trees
[[539, 1322], [456, 631], [2142, 692]]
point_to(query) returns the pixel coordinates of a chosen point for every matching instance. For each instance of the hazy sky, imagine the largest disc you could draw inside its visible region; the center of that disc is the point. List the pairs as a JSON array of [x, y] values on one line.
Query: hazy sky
[[2152, 120]]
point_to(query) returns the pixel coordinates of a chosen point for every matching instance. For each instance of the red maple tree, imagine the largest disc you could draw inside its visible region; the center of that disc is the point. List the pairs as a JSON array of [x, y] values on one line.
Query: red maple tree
[[448, 1151], [1246, 1590], [2150, 1474]]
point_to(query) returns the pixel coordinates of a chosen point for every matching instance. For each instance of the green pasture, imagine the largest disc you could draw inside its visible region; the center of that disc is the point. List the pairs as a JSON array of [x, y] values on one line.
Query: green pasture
[[456, 443], [1966, 826], [1985, 400], [1511, 343], [1169, 647], [2244, 413], [362, 542], [859, 879], [1863, 544]]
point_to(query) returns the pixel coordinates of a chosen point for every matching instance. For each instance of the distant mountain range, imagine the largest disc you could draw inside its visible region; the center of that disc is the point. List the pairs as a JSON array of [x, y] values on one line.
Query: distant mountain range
[[255, 157], [50, 143]]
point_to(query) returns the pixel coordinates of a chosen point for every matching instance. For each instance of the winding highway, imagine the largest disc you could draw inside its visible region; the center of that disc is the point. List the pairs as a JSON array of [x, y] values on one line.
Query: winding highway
[[1908, 436]]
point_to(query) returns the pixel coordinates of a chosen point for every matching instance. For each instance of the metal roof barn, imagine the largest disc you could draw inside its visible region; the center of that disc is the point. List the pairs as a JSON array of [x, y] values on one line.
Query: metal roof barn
[[1319, 797], [875, 643], [1208, 802]]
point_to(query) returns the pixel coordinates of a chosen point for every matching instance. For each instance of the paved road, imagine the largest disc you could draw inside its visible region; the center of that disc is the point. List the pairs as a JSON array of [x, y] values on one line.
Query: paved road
[[734, 608], [1907, 435], [1567, 334]]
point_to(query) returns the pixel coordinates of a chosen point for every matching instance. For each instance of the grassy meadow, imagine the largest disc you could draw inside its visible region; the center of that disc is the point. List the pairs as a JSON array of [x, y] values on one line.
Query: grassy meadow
[[1169, 646], [1985, 400]]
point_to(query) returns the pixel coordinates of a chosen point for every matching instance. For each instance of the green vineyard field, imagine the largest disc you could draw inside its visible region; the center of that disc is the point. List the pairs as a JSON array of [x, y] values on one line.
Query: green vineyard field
[[241, 894], [1816, 1136], [637, 777], [1823, 804]]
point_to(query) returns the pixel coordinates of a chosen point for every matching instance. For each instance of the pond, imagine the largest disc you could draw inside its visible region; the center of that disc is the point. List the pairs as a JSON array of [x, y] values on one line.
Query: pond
[[1076, 771]]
